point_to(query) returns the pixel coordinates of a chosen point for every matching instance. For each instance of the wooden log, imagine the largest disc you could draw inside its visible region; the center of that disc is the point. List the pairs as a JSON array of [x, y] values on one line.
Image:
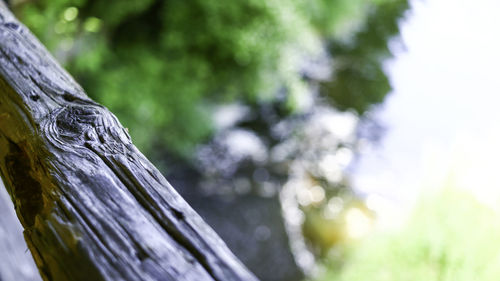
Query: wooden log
[[92, 206]]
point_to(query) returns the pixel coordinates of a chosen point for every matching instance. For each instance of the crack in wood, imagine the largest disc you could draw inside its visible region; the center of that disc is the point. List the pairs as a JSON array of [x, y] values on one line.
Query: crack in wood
[[27, 190]]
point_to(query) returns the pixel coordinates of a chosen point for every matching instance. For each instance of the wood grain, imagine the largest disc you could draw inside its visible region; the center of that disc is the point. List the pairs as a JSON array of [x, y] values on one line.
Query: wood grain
[[92, 206]]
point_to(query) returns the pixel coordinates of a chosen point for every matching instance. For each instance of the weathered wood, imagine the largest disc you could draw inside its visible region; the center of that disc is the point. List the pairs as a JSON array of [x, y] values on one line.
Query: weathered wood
[[16, 263], [92, 206]]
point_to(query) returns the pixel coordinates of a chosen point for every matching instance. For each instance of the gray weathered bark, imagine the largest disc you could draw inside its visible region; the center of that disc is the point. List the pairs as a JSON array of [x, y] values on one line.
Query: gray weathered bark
[[92, 206]]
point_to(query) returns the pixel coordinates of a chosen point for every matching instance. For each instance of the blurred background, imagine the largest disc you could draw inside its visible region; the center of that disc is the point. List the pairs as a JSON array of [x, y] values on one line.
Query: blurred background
[[321, 139]]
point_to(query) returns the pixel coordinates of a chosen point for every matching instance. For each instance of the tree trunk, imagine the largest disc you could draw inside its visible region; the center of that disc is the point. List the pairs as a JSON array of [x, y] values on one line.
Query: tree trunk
[[92, 206]]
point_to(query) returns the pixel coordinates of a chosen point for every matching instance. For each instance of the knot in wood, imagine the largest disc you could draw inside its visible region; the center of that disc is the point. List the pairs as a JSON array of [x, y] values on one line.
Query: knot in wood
[[78, 126], [75, 123]]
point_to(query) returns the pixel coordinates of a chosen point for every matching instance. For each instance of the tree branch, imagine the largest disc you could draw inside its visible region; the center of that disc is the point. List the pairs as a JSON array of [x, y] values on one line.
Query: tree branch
[[92, 206]]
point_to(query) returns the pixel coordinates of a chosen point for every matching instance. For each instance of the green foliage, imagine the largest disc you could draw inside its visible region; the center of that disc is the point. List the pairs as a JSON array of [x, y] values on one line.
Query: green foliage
[[161, 65], [360, 80], [450, 237], [335, 18]]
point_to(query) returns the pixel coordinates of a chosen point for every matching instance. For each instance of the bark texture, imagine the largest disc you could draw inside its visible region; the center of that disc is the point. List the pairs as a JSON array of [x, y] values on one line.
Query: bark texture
[[92, 206]]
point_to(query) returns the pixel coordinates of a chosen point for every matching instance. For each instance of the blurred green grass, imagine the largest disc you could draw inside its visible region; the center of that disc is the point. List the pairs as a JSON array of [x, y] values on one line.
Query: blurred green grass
[[449, 236]]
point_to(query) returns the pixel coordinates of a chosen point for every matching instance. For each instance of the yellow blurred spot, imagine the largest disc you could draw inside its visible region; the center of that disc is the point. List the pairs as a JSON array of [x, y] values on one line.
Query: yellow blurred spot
[[70, 13], [92, 24], [358, 223]]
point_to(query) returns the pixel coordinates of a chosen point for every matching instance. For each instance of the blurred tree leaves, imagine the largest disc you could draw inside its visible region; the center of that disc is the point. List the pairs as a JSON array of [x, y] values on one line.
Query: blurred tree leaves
[[359, 80], [162, 65]]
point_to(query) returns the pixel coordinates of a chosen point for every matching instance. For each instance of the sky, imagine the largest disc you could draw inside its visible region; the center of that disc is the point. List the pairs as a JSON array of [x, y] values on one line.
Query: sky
[[443, 116]]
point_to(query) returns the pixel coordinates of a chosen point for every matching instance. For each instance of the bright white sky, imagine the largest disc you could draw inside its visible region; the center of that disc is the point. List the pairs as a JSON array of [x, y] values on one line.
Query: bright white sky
[[445, 105]]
